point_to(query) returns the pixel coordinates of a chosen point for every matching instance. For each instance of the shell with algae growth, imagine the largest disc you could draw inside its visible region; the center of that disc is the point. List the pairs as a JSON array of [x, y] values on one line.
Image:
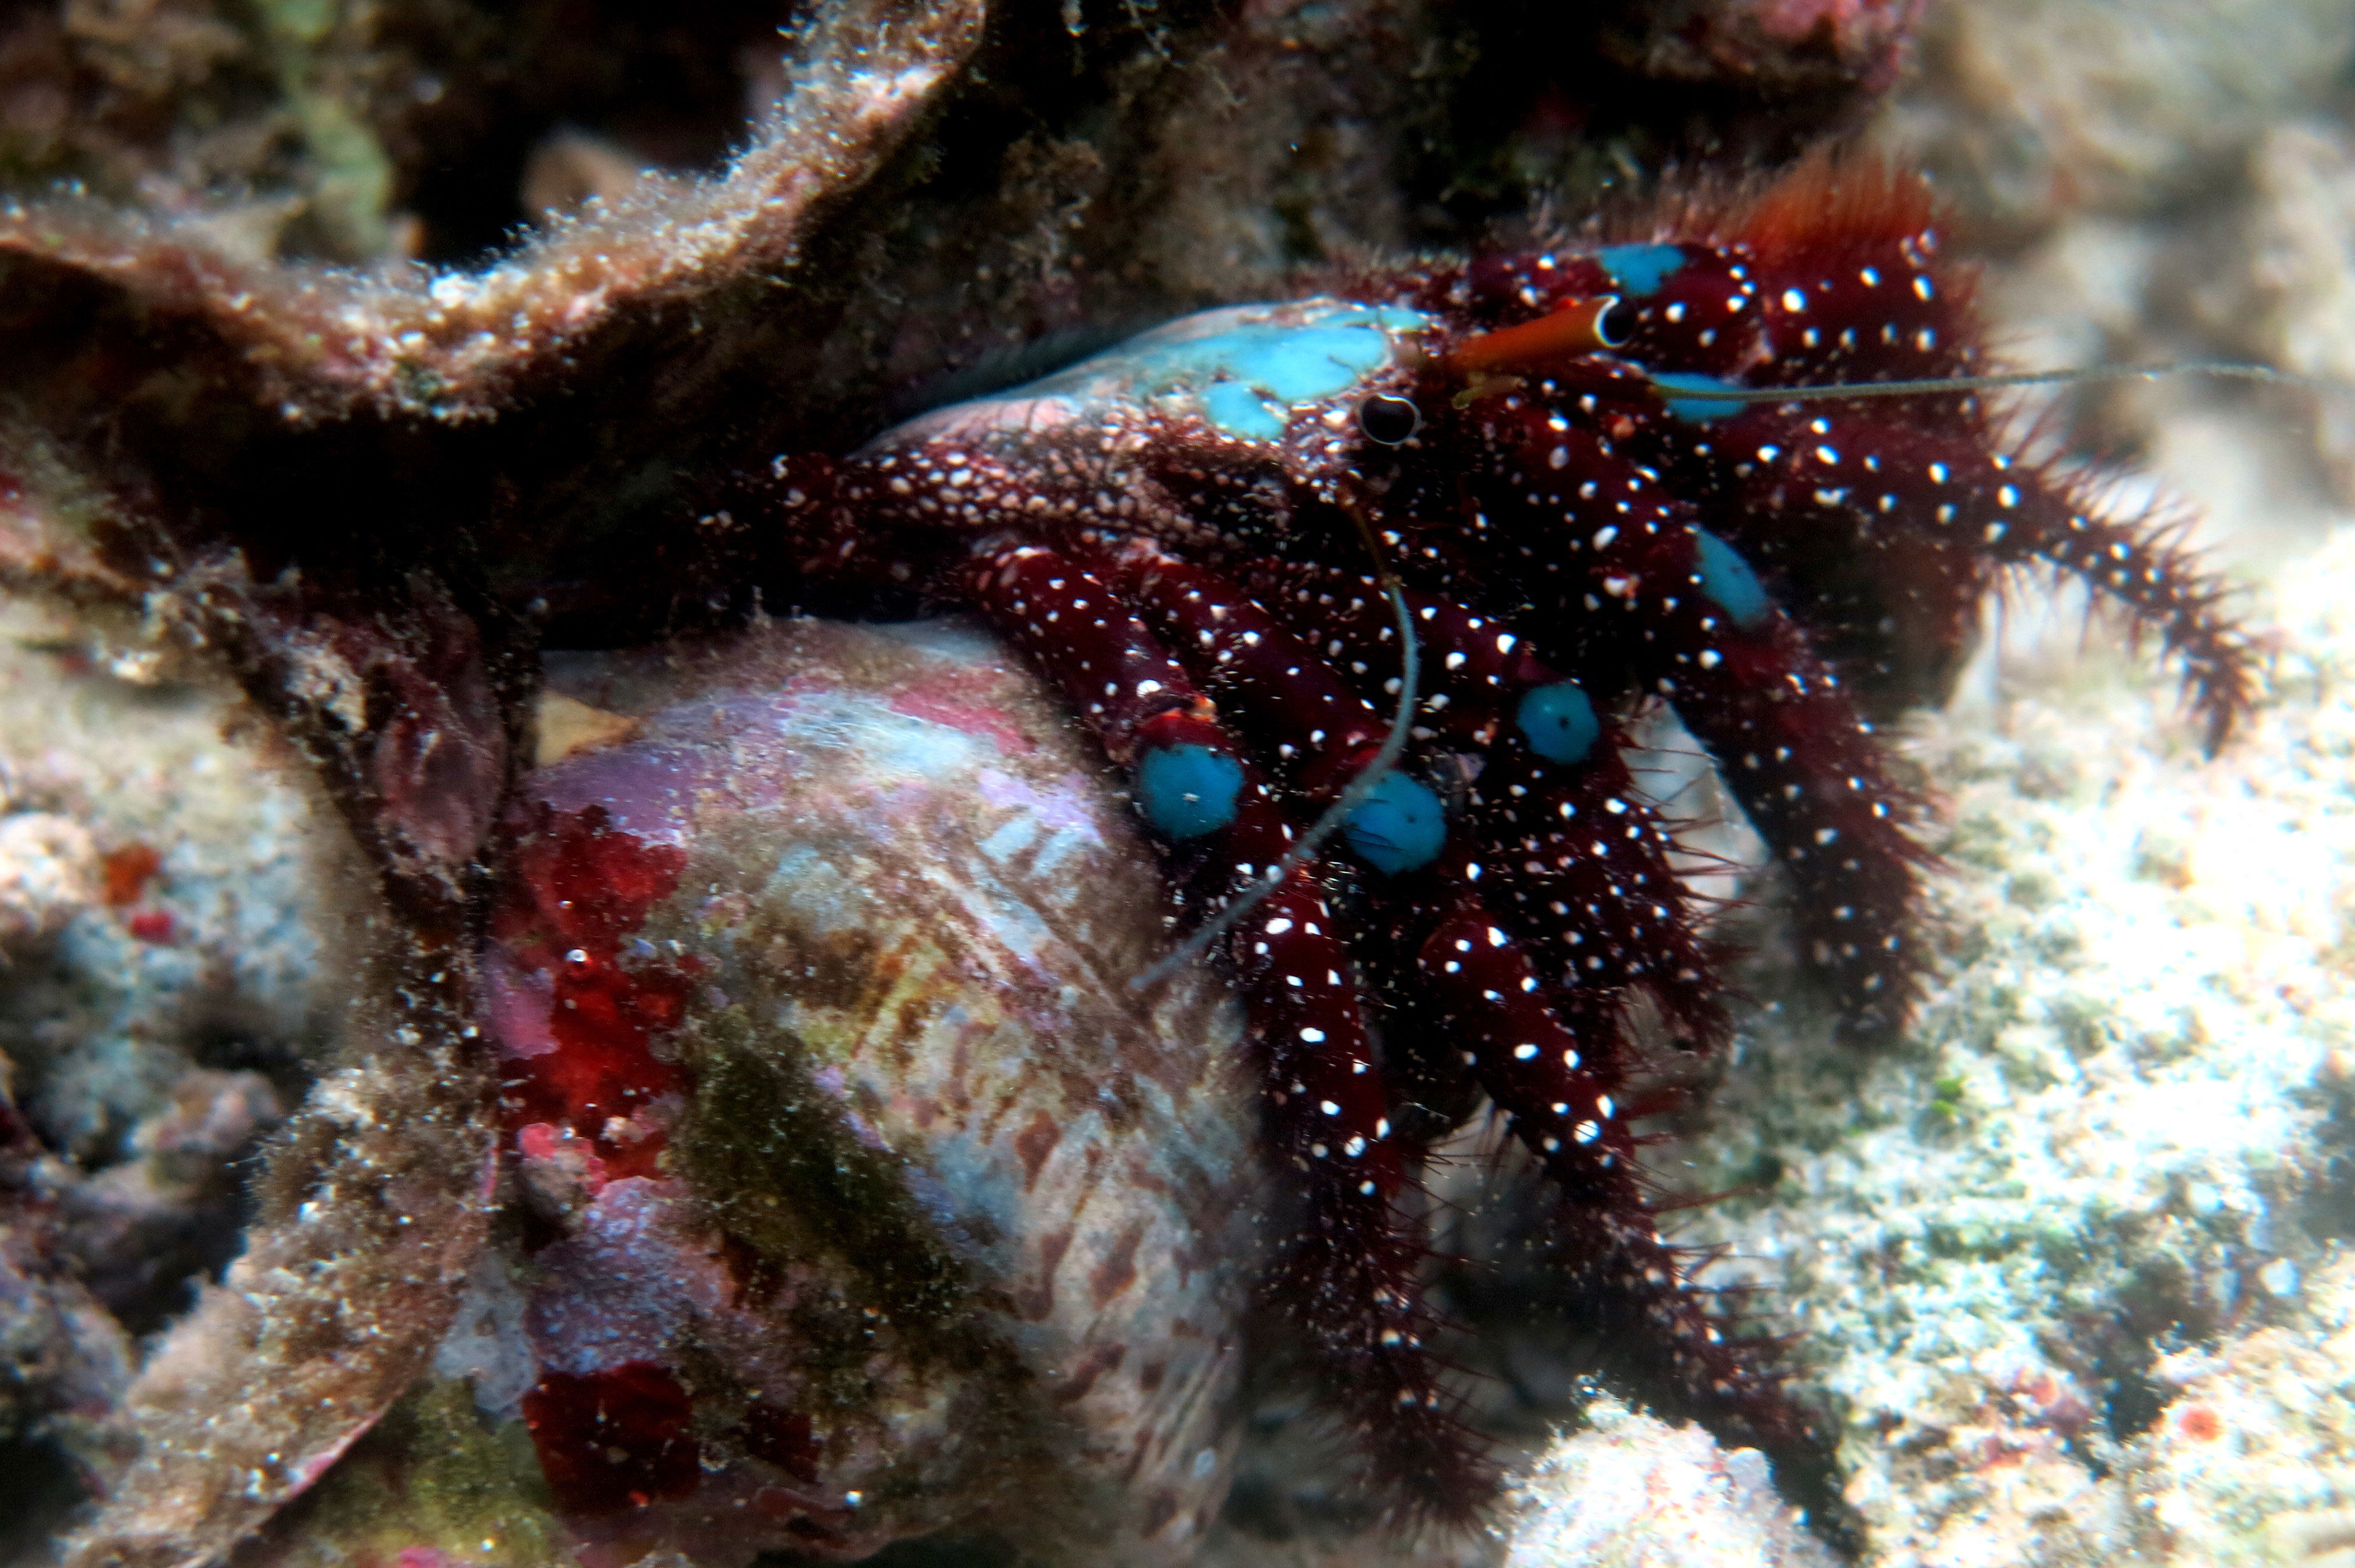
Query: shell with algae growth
[[857, 1197]]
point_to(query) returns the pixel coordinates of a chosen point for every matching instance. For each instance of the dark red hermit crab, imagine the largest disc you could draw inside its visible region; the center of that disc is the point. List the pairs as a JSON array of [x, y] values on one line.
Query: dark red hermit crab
[[1540, 450]]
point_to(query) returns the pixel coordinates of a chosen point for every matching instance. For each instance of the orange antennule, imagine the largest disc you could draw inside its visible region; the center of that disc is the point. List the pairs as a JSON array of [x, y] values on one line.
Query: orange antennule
[[1580, 327]]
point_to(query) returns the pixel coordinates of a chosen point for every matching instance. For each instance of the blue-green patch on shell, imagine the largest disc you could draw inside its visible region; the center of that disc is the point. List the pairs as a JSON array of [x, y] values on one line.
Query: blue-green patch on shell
[[1242, 369]]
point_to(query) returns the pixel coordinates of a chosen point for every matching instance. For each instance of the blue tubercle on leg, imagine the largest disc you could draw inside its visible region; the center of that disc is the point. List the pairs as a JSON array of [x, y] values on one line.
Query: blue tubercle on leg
[[1559, 721], [1400, 826], [1186, 791], [1727, 578]]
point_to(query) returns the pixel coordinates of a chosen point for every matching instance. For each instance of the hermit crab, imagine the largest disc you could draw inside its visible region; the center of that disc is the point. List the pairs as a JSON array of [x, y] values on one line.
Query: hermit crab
[[1412, 553]]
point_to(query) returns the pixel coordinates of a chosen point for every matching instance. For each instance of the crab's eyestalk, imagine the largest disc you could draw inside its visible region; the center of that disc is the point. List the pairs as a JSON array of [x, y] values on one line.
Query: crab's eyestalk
[[1588, 325]]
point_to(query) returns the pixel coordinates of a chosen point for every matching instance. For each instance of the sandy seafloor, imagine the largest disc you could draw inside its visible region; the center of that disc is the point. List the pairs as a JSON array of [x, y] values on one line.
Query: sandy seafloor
[[2070, 1262]]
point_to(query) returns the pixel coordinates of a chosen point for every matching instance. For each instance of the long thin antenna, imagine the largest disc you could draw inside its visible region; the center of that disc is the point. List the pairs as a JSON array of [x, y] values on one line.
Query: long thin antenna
[[1699, 391], [1306, 847]]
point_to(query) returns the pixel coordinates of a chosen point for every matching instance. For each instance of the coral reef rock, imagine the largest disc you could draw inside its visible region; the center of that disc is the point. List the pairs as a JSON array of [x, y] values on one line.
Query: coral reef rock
[[1627, 1491]]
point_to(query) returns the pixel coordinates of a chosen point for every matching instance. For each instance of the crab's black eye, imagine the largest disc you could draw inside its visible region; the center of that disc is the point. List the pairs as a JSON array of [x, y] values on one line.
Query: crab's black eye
[[1388, 421], [1613, 323]]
